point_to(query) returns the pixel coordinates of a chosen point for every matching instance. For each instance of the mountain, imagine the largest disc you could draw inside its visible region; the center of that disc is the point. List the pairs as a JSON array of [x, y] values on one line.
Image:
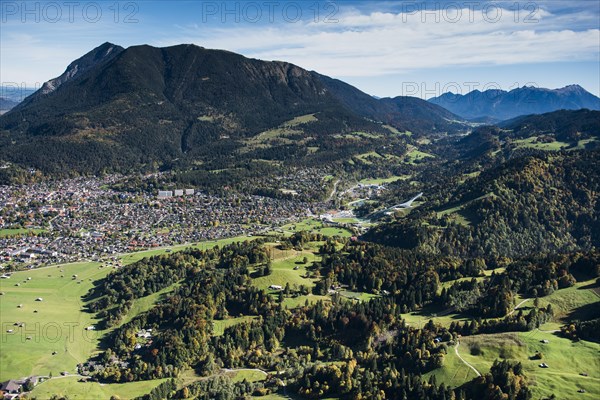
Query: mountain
[[500, 105], [564, 125], [542, 203], [97, 56], [6, 104], [119, 109], [405, 113]]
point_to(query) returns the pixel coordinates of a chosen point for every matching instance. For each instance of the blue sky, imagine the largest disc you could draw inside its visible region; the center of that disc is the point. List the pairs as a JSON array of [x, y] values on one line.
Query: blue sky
[[385, 48]]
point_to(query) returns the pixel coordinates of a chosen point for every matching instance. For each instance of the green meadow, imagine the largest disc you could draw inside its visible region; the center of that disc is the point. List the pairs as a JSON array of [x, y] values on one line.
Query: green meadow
[[57, 326], [53, 338], [73, 389], [566, 360]]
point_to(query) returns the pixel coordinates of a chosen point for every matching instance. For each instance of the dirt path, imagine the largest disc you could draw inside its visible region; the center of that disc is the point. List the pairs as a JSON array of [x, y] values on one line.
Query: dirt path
[[463, 360], [517, 306], [225, 370]]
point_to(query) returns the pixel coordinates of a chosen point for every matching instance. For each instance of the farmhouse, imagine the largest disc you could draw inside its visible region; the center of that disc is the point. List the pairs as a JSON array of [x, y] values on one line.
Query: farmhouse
[[144, 334], [275, 287], [12, 386]]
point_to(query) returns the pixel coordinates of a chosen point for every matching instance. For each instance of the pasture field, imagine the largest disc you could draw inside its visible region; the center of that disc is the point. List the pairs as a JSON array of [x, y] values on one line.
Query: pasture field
[[288, 267], [567, 360], [361, 296], [533, 144], [130, 258], [576, 302], [283, 272], [69, 386], [250, 375], [313, 225], [415, 154], [381, 181], [57, 326], [219, 326], [454, 372]]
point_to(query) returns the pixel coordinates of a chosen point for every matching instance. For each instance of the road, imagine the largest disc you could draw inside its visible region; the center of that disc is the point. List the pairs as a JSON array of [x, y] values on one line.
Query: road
[[462, 359]]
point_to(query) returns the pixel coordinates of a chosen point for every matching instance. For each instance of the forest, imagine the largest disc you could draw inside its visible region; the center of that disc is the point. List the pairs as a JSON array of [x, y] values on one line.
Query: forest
[[341, 348]]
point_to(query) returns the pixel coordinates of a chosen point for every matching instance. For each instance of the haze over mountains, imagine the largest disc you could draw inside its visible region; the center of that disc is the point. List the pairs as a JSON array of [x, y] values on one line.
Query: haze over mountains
[[501, 105]]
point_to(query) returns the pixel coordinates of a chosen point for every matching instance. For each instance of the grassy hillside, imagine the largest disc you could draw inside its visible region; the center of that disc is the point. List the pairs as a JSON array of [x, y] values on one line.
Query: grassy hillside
[[57, 326], [567, 360], [75, 390]]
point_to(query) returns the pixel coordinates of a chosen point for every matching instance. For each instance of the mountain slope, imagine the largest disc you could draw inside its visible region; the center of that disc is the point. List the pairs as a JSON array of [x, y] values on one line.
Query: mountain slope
[[502, 105], [119, 109], [405, 113], [546, 203], [565, 125]]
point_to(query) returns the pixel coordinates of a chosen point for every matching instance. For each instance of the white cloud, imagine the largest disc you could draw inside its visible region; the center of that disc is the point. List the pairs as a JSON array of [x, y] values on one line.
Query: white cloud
[[362, 43], [387, 43]]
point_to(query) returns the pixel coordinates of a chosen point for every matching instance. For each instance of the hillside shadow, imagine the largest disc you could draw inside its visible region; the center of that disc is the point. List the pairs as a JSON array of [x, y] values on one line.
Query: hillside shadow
[[590, 286], [585, 312]]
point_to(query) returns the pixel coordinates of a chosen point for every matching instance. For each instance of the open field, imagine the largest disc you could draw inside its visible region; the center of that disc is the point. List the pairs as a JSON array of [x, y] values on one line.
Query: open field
[[566, 361], [313, 225], [532, 143], [219, 326], [283, 272], [58, 326], [361, 296], [144, 304], [288, 267], [133, 257], [574, 302], [69, 386], [415, 154], [381, 181], [19, 231], [454, 372], [396, 131], [367, 157], [249, 375]]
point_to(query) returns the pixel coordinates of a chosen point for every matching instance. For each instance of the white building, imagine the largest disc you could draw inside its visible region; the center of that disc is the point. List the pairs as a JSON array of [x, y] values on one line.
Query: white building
[[163, 194], [179, 192]]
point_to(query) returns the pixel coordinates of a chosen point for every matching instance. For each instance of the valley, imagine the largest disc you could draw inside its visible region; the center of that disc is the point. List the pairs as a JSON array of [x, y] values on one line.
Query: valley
[[186, 223]]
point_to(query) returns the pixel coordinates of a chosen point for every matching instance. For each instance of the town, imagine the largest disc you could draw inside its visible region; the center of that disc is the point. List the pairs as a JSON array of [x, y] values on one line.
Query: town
[[85, 219]]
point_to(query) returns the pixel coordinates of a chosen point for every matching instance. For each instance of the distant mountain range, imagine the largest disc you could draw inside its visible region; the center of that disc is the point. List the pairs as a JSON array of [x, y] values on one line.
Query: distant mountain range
[[499, 105], [6, 104], [11, 96], [123, 108]]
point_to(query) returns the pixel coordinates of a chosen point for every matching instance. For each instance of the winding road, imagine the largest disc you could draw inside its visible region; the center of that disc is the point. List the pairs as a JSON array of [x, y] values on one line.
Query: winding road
[[463, 360]]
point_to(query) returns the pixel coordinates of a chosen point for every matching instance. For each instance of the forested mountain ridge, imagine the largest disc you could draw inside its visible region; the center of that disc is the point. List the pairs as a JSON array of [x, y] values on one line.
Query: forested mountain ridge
[[542, 203], [122, 110], [563, 125]]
